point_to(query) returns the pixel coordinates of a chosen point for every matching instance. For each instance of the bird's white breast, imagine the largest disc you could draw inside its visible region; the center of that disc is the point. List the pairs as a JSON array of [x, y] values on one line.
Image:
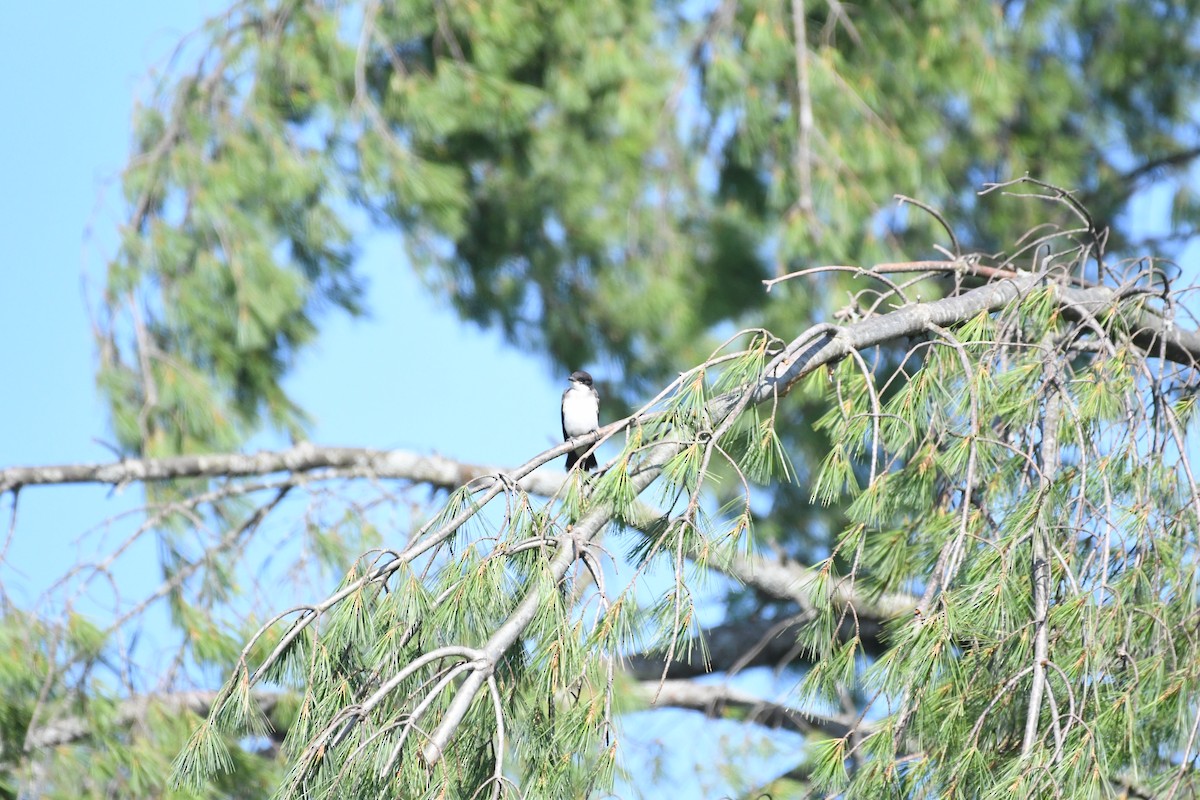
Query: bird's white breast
[[580, 411]]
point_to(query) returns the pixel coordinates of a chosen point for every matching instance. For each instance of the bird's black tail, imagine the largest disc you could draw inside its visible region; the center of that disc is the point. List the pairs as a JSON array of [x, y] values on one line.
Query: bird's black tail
[[589, 463]]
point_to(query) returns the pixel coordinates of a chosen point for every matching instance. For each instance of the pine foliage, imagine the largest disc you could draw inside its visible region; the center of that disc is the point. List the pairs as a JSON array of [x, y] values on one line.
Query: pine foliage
[[944, 481]]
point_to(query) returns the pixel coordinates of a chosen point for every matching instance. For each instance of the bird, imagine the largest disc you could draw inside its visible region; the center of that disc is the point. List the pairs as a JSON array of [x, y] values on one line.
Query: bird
[[580, 415]]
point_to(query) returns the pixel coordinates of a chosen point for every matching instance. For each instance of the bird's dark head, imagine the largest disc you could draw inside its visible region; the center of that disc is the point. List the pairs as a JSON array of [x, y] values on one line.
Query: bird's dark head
[[579, 376]]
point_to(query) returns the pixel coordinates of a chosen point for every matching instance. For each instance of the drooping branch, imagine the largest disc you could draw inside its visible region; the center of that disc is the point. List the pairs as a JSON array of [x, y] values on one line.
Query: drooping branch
[[588, 529], [1039, 568]]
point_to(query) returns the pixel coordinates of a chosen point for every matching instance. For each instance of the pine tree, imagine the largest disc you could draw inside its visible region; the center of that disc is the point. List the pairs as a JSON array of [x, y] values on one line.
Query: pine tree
[[944, 482]]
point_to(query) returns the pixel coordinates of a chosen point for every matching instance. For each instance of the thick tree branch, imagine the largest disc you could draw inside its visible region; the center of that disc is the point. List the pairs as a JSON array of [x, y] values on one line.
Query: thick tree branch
[[1154, 334], [794, 581], [305, 458]]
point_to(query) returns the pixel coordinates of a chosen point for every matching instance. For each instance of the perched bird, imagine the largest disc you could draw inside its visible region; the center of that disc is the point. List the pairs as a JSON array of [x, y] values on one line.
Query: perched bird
[[580, 415]]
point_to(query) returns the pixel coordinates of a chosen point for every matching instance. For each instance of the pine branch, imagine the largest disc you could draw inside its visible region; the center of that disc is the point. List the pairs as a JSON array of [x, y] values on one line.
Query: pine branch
[[586, 530], [817, 347]]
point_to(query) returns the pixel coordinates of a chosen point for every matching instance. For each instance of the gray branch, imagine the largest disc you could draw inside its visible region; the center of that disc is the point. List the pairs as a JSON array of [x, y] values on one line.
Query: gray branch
[[1039, 568], [304, 458], [71, 729], [780, 581]]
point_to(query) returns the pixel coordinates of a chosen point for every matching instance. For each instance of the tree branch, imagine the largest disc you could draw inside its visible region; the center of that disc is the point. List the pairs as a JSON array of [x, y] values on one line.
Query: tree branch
[[715, 700], [794, 581], [310, 462], [1039, 568], [806, 353], [744, 643], [71, 729], [1154, 334], [587, 529], [804, 119], [341, 462], [1180, 158]]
